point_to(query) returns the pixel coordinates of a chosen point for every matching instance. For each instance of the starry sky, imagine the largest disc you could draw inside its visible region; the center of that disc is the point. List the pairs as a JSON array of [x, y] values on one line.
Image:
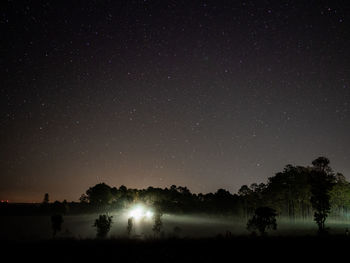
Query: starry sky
[[204, 94]]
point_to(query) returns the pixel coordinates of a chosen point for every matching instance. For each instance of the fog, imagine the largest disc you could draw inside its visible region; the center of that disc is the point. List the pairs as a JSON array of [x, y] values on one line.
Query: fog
[[192, 226]]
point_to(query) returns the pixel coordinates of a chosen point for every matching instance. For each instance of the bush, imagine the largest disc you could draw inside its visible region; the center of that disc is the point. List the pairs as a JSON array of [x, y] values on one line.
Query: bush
[[103, 225]]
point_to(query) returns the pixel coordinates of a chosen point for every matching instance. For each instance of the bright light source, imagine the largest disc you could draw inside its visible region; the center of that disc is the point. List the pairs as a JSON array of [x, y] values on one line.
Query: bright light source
[[140, 212], [149, 214], [137, 213]]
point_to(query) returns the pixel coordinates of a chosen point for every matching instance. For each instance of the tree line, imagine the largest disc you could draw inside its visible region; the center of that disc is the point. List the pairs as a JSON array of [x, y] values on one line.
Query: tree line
[[296, 192], [293, 193]]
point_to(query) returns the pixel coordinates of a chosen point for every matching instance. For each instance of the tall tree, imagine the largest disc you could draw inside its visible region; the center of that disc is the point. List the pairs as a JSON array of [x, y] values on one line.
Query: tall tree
[[322, 180], [56, 223], [130, 226], [46, 199], [100, 194], [289, 192], [340, 196], [158, 224]]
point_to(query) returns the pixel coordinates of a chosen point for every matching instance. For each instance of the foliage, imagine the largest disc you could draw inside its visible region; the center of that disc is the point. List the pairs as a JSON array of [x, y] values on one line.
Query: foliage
[[340, 196], [100, 194], [292, 193], [321, 164], [297, 192], [289, 192], [129, 228], [59, 207], [56, 223], [46, 199], [322, 181], [158, 224], [84, 199], [264, 218], [103, 225]]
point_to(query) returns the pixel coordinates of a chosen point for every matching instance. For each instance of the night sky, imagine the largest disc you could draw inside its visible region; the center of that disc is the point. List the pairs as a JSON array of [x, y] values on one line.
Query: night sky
[[204, 94]]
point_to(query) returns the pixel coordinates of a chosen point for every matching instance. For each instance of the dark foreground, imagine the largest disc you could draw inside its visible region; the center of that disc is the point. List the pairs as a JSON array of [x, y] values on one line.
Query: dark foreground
[[269, 249]]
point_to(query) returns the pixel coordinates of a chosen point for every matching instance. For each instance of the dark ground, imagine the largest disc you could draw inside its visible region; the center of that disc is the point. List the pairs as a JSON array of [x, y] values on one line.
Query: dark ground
[[235, 249]]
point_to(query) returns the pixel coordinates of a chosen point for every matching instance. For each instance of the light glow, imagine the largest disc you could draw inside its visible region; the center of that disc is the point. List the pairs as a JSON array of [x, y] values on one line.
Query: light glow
[[149, 214], [140, 212], [136, 213]]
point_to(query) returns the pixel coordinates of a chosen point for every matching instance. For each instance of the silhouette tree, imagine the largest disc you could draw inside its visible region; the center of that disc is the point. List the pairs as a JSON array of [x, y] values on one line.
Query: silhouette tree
[[321, 164], [322, 181], [56, 223], [289, 192], [158, 224], [84, 199], [246, 198], [46, 199], [100, 194], [58, 207], [103, 225], [340, 196], [130, 226], [264, 218]]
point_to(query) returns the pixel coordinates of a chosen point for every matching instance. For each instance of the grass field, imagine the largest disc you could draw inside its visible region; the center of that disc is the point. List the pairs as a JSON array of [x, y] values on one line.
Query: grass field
[[190, 226]]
